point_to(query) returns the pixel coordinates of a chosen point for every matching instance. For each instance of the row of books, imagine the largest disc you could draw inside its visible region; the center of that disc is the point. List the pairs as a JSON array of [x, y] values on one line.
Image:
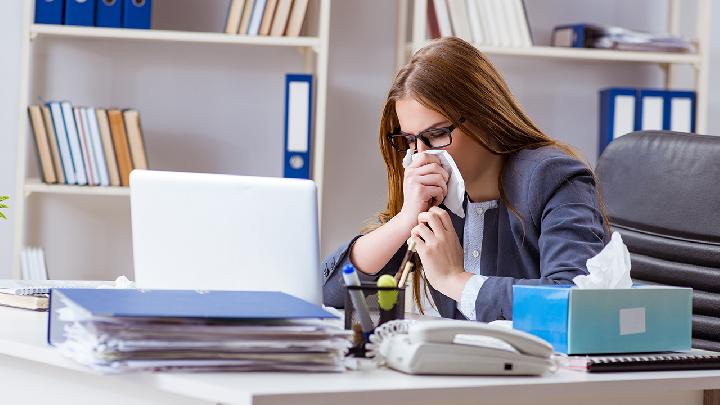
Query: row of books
[[482, 22], [99, 13], [609, 37], [266, 17], [86, 145]]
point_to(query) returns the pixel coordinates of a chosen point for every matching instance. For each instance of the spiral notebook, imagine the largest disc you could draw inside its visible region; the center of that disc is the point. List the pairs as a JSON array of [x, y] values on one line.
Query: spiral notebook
[[35, 287], [695, 359]]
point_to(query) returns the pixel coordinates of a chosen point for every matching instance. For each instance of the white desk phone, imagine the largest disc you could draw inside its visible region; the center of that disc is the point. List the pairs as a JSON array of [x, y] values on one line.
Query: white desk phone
[[459, 347]]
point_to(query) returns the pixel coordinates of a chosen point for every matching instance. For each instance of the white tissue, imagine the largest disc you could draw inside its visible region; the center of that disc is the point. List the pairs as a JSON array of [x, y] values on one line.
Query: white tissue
[[609, 269], [121, 282], [456, 185]]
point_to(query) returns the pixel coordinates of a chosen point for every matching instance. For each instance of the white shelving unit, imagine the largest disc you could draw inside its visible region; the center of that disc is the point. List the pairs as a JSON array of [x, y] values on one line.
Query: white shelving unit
[[699, 61], [314, 49]]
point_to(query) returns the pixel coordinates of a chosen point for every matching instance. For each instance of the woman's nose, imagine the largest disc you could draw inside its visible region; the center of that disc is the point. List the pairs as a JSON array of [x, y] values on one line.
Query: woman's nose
[[420, 146]]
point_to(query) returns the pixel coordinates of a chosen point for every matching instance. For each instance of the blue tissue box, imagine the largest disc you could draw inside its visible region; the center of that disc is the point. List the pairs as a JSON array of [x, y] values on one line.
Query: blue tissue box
[[588, 321]]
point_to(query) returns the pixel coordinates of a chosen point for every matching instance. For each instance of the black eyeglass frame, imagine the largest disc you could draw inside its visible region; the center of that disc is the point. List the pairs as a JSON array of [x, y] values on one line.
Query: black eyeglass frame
[[398, 134]]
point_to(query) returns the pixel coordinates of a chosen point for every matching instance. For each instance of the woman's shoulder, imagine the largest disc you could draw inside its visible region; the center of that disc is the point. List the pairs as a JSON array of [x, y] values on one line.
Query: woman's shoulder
[[541, 168]]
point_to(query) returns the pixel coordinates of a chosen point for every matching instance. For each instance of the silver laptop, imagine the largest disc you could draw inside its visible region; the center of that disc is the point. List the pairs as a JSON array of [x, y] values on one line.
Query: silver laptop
[[222, 232]]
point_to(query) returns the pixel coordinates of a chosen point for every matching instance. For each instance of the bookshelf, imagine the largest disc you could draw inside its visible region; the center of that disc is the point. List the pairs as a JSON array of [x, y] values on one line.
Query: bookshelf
[[312, 47], [412, 19]]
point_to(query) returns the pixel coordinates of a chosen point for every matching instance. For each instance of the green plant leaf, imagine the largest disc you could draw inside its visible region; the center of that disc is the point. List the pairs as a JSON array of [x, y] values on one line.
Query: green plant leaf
[[3, 197], [3, 206], [2, 216]]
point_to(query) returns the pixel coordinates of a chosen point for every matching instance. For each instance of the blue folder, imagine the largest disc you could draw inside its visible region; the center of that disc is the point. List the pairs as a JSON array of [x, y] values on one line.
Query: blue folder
[[180, 304], [80, 12], [109, 13], [137, 14], [49, 11], [298, 125], [607, 119]]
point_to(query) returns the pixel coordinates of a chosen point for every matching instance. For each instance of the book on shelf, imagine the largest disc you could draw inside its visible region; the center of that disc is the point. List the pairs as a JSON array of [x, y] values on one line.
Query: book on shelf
[[297, 16], [42, 144], [108, 148], [245, 19], [459, 17], [62, 142], [120, 143], [86, 150], [97, 146], [256, 17], [267, 17], [135, 139], [483, 22], [280, 20], [232, 24], [74, 141], [81, 146], [50, 129]]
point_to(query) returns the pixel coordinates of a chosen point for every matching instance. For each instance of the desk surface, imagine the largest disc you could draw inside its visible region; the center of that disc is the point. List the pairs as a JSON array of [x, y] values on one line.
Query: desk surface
[[22, 335]]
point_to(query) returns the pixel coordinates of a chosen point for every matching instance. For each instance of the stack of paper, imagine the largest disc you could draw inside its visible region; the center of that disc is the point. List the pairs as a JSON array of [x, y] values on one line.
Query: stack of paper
[[137, 330]]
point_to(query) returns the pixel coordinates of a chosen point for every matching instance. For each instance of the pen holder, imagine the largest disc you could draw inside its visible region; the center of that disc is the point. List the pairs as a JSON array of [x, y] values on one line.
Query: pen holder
[[394, 309]]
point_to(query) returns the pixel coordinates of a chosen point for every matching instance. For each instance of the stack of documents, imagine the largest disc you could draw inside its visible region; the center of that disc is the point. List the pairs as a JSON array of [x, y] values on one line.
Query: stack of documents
[[171, 330], [609, 37]]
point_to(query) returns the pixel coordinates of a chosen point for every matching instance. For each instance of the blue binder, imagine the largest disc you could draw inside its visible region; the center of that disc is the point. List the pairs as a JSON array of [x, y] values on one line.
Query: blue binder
[[49, 11], [678, 109], [109, 13], [180, 304], [652, 110], [137, 14], [80, 12], [570, 35], [682, 108], [617, 114], [298, 125]]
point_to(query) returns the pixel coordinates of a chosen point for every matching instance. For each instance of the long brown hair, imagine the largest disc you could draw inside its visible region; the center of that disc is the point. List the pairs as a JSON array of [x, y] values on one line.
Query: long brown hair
[[454, 78]]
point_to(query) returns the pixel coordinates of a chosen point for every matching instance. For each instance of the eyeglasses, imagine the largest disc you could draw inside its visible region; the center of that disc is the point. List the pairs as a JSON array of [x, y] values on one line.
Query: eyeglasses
[[433, 138]]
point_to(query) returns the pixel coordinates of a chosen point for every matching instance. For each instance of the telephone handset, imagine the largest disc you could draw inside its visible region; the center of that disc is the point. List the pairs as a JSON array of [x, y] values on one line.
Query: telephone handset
[[465, 348]]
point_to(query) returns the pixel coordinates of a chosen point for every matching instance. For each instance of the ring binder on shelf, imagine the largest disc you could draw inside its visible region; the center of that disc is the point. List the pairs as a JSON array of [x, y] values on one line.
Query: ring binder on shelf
[[298, 114]]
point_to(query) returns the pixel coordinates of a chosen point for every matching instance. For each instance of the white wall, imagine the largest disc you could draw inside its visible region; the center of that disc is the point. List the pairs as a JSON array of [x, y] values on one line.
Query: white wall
[[205, 106]]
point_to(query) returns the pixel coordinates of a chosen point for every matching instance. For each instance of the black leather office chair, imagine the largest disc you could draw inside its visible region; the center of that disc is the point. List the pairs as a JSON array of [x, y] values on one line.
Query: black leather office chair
[[662, 192]]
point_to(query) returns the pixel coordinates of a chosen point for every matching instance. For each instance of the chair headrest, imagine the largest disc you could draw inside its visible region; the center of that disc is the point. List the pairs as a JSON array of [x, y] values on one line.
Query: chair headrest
[[663, 182]]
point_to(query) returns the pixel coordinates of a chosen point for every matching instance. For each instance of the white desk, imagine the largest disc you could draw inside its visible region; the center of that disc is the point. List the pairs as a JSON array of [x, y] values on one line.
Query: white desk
[[31, 369]]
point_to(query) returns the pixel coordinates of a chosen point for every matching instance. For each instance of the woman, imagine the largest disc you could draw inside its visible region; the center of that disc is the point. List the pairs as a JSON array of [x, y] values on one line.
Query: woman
[[532, 212]]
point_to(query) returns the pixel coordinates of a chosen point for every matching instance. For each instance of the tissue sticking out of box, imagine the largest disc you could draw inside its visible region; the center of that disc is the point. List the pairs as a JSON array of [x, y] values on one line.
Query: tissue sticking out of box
[[609, 269], [456, 185]]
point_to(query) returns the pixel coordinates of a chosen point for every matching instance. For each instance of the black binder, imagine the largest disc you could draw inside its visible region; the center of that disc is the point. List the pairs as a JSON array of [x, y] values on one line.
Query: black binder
[[695, 359]]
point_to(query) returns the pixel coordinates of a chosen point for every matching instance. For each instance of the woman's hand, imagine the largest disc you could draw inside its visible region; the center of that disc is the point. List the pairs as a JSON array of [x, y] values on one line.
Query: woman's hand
[[424, 186], [440, 252]]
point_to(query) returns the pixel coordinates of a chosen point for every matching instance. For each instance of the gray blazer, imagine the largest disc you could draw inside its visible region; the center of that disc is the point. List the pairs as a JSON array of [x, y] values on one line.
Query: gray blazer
[[559, 229]]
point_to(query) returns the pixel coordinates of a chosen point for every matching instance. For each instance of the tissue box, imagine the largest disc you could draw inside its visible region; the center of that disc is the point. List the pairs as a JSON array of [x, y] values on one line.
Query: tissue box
[[587, 321]]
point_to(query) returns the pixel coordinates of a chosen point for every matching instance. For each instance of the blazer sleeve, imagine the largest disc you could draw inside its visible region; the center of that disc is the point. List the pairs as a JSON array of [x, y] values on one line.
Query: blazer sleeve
[[563, 206], [333, 285]]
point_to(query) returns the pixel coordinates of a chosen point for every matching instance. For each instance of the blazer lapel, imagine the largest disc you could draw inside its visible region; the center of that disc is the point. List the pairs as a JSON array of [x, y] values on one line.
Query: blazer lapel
[[447, 306]]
